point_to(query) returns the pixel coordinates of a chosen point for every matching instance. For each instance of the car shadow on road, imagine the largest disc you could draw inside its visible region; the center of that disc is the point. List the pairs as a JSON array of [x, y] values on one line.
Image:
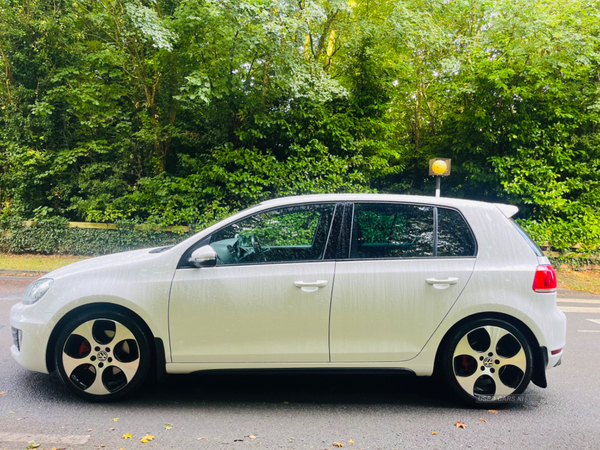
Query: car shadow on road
[[302, 388], [232, 390]]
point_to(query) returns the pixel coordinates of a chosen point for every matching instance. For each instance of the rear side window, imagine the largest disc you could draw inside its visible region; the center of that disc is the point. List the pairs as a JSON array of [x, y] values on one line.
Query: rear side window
[[387, 230], [454, 235], [392, 231]]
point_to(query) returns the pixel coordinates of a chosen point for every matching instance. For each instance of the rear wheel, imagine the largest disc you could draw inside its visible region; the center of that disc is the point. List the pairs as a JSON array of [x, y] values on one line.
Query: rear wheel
[[102, 356], [488, 360]]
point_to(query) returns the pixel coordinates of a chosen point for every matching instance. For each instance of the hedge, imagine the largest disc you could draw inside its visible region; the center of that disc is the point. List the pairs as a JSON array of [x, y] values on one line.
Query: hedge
[[54, 236]]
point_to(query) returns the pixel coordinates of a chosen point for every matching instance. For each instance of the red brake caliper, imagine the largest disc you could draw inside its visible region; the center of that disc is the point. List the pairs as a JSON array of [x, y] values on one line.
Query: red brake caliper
[[84, 349], [466, 363]]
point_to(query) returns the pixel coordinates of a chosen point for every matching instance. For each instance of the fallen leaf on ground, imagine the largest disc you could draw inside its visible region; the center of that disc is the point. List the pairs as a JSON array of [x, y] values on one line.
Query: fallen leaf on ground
[[116, 419], [21, 418], [168, 426], [251, 436], [3, 392], [32, 444], [238, 440], [460, 425], [338, 444], [147, 438], [127, 436], [482, 419], [493, 411], [90, 429], [350, 441], [434, 432], [111, 429], [201, 438]]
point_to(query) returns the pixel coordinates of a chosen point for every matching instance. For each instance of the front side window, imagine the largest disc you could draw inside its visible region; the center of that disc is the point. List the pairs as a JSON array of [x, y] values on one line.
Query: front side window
[[296, 233], [392, 231]]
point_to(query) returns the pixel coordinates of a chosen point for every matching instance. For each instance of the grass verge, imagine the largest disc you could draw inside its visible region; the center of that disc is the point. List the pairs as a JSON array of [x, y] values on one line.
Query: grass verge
[[579, 280], [36, 262]]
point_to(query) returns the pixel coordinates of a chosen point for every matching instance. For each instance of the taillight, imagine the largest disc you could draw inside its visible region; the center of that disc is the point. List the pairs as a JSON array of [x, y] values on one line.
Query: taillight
[[545, 279]]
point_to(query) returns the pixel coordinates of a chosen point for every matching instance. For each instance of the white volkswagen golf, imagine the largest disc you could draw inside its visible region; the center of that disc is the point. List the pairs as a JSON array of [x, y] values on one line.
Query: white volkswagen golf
[[412, 284]]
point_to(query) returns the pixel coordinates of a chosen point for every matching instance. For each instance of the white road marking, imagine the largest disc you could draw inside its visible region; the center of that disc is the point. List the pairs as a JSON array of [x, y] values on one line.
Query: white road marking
[[577, 300], [579, 309], [589, 331], [594, 320], [44, 438]]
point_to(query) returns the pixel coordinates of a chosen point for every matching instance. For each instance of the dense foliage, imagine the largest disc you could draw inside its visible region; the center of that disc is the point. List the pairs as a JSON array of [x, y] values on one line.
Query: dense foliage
[[54, 236], [180, 111]]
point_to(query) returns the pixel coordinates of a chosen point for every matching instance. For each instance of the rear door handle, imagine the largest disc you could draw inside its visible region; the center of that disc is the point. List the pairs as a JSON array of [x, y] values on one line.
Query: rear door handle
[[442, 283], [310, 286]]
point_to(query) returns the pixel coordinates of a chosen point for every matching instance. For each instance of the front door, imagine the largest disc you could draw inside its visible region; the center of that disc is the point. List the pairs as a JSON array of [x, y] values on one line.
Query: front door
[[268, 298]]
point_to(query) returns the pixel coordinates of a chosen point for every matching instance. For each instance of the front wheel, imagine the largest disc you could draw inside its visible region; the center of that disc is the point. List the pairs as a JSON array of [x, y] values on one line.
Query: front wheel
[[487, 360], [102, 356]]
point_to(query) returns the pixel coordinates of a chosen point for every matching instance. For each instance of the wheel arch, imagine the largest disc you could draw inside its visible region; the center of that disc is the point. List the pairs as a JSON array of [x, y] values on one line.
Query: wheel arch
[[540, 356], [156, 344]]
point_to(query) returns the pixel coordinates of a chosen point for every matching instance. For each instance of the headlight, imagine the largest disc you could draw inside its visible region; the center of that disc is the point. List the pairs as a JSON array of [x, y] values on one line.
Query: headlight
[[36, 290]]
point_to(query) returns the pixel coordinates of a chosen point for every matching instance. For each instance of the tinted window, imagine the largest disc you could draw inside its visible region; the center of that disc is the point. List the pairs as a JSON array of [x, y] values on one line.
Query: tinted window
[[392, 231], [454, 236], [297, 233]]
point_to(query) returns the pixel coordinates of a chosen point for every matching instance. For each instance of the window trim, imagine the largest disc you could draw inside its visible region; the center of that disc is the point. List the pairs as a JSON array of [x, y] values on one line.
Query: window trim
[[435, 232], [344, 211]]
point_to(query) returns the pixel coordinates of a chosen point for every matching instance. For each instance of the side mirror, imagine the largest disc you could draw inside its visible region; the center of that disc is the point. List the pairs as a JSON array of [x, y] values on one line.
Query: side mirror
[[204, 257]]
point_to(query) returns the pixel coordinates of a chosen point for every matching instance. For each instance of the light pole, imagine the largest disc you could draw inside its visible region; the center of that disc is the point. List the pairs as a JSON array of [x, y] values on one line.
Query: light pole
[[439, 167]]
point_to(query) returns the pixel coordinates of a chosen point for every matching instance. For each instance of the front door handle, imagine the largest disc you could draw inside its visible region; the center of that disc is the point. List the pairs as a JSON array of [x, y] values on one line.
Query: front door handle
[[442, 283], [310, 286]]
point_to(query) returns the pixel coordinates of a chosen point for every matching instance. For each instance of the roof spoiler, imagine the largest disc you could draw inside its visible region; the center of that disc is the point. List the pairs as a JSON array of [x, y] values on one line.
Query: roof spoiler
[[507, 210]]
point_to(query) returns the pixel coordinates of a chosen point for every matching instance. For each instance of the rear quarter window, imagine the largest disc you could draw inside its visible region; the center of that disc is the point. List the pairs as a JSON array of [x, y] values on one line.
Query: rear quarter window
[[454, 235]]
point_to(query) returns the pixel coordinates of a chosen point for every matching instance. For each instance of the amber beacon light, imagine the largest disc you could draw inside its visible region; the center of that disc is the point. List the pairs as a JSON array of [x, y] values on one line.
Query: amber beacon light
[[439, 167]]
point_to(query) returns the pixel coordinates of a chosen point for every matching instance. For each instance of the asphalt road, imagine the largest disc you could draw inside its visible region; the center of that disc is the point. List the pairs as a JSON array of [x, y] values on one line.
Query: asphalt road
[[308, 411]]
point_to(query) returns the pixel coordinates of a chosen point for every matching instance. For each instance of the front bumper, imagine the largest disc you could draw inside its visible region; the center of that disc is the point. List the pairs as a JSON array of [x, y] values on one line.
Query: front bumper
[[33, 330]]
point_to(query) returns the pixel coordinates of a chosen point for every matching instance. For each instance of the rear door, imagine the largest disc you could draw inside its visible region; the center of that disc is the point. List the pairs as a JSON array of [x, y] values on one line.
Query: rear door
[[407, 266]]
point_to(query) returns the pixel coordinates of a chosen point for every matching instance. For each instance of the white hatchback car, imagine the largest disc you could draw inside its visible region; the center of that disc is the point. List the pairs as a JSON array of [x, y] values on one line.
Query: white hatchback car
[[342, 281]]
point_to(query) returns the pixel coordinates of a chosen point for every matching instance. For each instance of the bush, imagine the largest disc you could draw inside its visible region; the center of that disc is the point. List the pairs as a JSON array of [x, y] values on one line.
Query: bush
[[53, 236]]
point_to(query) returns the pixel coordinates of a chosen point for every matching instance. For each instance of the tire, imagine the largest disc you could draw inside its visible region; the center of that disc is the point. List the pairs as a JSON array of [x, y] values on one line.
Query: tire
[[102, 356], [487, 360]]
